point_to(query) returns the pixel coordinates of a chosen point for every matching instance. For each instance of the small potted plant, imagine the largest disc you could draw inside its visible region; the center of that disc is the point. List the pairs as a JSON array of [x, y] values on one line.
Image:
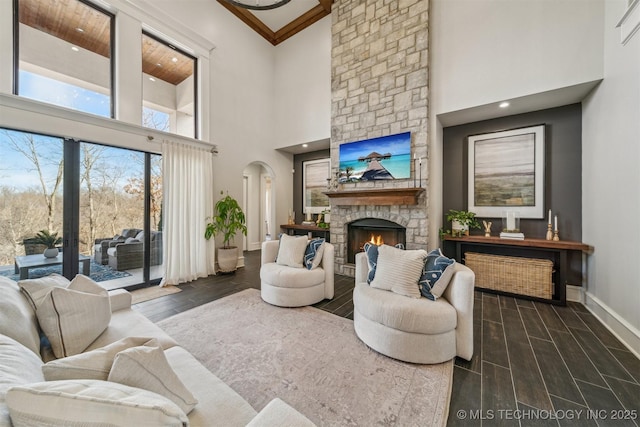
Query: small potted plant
[[461, 222], [228, 219], [50, 240]]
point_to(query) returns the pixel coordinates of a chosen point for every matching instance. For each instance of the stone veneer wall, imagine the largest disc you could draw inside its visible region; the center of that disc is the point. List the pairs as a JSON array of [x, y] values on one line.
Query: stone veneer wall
[[379, 85]]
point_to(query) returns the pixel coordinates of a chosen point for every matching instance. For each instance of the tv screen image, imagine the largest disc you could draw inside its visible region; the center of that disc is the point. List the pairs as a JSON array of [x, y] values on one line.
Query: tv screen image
[[386, 157]]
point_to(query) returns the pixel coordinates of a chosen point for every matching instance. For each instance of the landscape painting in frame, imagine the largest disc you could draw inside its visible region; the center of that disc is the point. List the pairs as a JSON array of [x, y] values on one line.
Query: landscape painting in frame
[[506, 172], [386, 157]]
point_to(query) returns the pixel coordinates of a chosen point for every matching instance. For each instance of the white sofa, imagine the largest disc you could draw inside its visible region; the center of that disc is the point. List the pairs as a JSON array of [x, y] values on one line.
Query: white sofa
[[415, 330], [218, 404], [295, 287]]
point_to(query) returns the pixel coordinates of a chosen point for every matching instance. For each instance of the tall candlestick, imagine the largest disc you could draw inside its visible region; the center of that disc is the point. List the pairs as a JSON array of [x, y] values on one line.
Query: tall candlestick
[[549, 216], [420, 166]]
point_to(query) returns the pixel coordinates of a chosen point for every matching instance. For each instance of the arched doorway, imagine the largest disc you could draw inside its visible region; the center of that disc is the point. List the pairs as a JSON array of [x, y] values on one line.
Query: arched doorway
[[259, 204]]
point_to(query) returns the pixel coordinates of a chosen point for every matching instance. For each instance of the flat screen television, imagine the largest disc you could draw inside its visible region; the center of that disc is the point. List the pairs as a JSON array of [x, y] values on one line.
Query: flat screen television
[[386, 157]]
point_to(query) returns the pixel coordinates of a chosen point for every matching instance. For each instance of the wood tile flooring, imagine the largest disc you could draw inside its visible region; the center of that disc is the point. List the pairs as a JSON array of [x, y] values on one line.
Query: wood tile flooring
[[533, 364]]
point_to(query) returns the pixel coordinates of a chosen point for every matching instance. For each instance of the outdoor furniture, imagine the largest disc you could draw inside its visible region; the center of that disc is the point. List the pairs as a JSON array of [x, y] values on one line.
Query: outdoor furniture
[[102, 245], [32, 247], [25, 263], [129, 255]]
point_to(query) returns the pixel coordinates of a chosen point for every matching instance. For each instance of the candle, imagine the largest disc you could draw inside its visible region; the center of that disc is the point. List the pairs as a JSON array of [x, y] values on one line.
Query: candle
[[511, 221], [420, 161], [556, 222], [549, 216]]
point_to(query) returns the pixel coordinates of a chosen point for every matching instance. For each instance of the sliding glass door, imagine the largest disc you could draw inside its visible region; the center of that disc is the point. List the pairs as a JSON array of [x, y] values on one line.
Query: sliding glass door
[[109, 218]]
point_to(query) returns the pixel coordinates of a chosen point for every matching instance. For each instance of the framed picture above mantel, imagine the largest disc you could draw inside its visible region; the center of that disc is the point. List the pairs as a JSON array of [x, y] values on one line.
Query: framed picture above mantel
[[506, 172]]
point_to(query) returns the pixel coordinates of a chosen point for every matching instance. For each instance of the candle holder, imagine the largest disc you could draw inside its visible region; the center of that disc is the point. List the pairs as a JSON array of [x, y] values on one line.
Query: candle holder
[[555, 236], [549, 232]]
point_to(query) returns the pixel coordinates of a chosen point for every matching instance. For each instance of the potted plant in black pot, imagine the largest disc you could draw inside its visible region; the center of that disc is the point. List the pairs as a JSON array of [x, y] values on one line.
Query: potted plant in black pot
[[228, 219], [50, 240]]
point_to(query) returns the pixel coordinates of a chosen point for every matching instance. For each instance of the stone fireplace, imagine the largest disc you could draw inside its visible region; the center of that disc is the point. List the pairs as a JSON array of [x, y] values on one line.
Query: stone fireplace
[[379, 86]]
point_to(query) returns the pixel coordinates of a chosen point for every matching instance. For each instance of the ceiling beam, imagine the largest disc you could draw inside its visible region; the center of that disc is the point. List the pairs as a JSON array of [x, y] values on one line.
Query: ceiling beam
[[303, 21]]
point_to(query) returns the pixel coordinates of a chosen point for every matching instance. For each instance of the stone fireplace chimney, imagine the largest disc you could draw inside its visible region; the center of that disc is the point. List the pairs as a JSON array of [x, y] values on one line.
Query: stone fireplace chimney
[[379, 85]]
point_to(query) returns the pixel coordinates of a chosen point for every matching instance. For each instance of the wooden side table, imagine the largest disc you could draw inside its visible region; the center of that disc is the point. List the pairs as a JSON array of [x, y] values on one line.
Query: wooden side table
[[299, 229], [534, 248]]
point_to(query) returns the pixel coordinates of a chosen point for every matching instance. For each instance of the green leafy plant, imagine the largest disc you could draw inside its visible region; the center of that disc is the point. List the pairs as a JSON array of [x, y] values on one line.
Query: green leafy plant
[[227, 219], [465, 218], [50, 240]]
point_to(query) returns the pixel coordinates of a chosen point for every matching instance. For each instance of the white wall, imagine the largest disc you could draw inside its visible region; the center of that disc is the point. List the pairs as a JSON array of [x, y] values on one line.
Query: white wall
[[490, 50], [610, 183], [303, 86]]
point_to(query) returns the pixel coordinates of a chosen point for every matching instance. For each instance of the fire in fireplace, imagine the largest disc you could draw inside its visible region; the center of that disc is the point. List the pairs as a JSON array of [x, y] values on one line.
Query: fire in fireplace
[[373, 230]]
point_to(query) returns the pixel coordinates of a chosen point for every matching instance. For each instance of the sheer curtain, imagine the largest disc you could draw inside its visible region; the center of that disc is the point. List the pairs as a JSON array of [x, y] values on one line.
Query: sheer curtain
[[188, 200]]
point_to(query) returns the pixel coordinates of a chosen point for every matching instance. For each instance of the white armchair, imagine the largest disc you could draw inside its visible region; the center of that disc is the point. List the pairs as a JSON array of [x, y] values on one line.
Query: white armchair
[[295, 287]]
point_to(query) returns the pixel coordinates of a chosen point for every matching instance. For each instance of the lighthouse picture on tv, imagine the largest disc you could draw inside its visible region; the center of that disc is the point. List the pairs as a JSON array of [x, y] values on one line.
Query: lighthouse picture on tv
[[383, 158]]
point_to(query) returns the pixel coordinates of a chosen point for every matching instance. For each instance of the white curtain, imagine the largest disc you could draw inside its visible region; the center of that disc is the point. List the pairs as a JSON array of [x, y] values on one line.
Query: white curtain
[[187, 182]]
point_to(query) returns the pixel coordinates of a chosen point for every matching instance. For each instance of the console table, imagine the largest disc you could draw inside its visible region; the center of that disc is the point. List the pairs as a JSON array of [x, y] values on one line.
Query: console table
[[532, 248], [299, 229]]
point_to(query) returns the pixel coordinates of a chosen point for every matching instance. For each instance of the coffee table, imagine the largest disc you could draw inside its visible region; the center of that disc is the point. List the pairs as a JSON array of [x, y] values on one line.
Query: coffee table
[[26, 262]]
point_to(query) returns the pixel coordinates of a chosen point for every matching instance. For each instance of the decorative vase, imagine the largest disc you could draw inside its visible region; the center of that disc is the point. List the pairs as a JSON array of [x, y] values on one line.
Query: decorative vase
[[51, 252], [228, 259]]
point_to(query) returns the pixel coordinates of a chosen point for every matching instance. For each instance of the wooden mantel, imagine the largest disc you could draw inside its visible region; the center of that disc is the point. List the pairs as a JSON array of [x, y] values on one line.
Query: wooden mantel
[[375, 196]]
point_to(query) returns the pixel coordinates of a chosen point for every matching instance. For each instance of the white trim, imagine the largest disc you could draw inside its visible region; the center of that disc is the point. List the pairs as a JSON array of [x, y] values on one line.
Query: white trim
[[630, 22], [619, 327], [34, 116], [575, 293], [255, 246]]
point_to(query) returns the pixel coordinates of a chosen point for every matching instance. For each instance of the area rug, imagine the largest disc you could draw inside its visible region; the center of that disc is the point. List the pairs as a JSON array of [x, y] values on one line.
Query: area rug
[[99, 273], [312, 360], [152, 292]]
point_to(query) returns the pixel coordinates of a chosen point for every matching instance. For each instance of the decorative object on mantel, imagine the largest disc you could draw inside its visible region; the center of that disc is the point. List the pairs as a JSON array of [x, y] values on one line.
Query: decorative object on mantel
[[308, 220], [258, 4], [511, 225], [549, 232], [292, 217], [461, 222], [487, 228]]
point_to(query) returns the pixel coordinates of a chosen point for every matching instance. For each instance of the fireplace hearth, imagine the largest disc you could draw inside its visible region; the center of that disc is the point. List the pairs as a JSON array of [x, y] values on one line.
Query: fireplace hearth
[[374, 230]]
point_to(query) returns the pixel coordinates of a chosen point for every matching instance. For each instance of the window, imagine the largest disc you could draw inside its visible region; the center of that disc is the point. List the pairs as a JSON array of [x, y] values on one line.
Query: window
[[64, 54], [168, 87]]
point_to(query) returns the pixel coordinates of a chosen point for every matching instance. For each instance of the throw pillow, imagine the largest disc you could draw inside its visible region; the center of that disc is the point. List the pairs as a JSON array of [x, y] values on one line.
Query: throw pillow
[[19, 366], [94, 364], [399, 270], [37, 289], [436, 274], [291, 250], [372, 258], [131, 240], [90, 403], [313, 253], [17, 317], [73, 319], [147, 368]]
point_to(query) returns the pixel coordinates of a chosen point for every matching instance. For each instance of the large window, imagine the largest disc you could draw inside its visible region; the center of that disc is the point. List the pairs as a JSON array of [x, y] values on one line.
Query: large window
[[110, 217], [64, 51], [168, 87]]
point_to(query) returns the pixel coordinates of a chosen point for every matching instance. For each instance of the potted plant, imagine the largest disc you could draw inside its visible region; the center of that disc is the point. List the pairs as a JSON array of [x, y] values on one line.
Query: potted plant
[[461, 222], [228, 219], [50, 240]]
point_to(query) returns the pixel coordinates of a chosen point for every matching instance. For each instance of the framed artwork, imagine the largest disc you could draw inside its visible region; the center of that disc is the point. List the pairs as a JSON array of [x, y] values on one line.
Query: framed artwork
[[386, 157], [315, 174], [506, 172]]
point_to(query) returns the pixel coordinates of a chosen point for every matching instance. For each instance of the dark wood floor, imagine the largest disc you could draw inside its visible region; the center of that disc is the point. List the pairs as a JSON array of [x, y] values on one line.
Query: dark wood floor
[[533, 364]]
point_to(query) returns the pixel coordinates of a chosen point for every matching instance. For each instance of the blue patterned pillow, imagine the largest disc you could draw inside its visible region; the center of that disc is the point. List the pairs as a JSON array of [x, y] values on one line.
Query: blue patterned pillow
[[372, 258], [436, 274], [313, 254]]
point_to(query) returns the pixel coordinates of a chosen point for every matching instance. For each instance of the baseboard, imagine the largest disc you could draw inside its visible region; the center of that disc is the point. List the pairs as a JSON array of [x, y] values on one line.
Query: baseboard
[[623, 330], [575, 294], [255, 246]]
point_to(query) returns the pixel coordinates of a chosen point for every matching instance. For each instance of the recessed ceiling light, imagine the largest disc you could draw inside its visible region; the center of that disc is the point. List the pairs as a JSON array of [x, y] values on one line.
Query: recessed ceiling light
[[152, 79], [504, 104], [75, 49], [305, 145], [80, 30], [174, 59]]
